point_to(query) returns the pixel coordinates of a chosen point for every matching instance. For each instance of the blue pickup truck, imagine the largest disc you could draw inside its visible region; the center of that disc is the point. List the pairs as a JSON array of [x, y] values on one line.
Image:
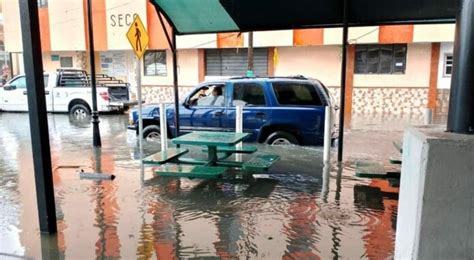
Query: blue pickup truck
[[276, 110]]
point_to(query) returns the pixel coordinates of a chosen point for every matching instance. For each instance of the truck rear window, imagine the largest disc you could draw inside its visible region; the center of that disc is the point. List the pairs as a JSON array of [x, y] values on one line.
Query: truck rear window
[[294, 93]]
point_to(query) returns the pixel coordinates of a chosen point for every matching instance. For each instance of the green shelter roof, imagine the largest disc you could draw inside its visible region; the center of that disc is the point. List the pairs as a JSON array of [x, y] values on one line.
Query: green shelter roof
[[210, 16]]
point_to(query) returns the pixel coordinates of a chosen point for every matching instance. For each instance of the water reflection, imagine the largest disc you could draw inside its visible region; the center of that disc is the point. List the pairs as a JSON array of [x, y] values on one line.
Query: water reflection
[[302, 210]]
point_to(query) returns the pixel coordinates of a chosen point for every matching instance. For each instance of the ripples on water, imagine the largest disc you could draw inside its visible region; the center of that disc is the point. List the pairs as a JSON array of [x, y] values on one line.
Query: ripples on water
[[296, 212]]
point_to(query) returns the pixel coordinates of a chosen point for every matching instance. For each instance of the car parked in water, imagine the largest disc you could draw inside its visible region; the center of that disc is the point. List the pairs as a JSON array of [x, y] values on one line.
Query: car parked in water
[[69, 90], [276, 110]]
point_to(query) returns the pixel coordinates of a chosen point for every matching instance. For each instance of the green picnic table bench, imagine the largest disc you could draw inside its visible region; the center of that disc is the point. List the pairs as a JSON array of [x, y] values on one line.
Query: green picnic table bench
[[173, 164]]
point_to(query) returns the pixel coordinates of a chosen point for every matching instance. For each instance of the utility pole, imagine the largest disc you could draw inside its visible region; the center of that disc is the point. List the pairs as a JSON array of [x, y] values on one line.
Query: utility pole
[[95, 114], [250, 72]]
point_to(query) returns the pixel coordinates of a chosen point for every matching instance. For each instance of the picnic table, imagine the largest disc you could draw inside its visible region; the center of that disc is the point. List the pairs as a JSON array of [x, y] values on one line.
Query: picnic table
[[219, 146]]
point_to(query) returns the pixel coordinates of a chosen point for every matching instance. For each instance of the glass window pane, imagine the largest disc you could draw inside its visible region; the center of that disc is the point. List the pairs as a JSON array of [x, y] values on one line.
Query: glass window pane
[[155, 63], [288, 93], [249, 94]]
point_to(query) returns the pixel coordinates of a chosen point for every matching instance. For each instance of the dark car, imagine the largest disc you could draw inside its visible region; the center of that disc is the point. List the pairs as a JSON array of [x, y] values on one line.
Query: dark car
[[277, 111]]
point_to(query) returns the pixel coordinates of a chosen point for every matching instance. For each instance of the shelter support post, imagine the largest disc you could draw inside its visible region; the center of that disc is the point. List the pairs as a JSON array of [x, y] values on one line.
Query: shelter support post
[[343, 82], [33, 63], [461, 101], [175, 83], [96, 140]]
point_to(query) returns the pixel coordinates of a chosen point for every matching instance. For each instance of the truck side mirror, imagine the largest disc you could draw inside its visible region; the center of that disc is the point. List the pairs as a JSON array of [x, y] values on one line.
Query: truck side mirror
[[9, 87], [186, 103]]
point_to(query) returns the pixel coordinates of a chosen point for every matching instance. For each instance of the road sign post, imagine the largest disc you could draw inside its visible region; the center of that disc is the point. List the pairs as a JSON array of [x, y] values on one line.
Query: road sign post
[[138, 38]]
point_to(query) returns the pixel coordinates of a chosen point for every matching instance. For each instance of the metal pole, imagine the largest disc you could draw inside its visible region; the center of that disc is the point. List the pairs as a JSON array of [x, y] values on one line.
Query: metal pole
[[327, 135], [140, 111], [163, 128], [95, 114], [461, 101], [175, 84], [239, 127], [33, 63], [343, 83], [250, 56]]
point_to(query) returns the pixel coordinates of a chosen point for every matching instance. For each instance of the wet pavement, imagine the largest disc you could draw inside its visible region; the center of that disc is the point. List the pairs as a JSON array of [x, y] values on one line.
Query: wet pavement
[[300, 210]]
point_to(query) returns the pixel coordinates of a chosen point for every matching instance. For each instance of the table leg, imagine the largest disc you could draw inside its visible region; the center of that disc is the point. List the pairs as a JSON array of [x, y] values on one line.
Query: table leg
[[212, 155]]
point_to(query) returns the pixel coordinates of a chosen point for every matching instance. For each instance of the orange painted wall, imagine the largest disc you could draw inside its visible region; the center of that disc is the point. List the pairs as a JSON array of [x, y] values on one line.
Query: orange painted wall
[[308, 37], [155, 30], [230, 40], [433, 88], [45, 35], [99, 20], [396, 34]]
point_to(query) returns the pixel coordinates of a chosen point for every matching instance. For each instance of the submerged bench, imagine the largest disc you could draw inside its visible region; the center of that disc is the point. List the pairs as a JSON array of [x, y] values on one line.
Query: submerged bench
[[261, 162], [190, 171], [165, 156], [368, 169], [235, 149]]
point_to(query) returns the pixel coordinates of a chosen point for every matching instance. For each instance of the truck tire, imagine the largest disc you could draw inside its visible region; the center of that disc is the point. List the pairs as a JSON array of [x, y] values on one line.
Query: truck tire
[[80, 111], [281, 138], [152, 133]]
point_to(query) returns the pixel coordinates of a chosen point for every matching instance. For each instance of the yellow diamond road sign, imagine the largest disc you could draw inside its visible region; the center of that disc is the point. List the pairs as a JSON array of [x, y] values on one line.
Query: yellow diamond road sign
[[138, 37]]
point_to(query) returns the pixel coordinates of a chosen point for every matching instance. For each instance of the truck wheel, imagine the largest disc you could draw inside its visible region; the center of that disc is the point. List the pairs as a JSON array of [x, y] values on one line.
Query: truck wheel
[[152, 133], [281, 138], [80, 111]]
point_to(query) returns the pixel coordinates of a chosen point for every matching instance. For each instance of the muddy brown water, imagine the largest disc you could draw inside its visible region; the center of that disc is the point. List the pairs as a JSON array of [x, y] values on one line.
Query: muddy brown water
[[297, 210]]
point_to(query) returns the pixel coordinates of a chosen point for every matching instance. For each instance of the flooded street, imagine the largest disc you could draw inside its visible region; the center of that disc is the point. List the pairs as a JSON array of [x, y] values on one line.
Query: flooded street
[[297, 210]]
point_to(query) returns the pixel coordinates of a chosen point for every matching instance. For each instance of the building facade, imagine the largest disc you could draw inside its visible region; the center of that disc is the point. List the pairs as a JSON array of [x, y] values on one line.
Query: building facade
[[391, 69]]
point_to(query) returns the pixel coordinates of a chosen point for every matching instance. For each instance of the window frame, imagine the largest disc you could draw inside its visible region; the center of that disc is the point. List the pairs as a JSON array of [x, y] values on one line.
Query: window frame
[[318, 94], [445, 65], [368, 56], [145, 73], [260, 84]]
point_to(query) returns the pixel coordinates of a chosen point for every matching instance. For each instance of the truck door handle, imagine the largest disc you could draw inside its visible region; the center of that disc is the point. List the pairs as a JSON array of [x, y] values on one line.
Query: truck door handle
[[218, 114], [46, 92], [260, 115], [24, 92]]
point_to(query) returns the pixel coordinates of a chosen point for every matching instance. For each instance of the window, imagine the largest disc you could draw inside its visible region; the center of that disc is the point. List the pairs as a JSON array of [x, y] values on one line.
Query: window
[[21, 82], [65, 62], [448, 65], [289, 93], [248, 94], [381, 59], [155, 63], [209, 96], [42, 3]]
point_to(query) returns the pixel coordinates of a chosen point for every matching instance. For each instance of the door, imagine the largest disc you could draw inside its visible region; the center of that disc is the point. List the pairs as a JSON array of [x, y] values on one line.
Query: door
[[234, 62], [14, 95], [205, 109], [16, 98], [256, 112]]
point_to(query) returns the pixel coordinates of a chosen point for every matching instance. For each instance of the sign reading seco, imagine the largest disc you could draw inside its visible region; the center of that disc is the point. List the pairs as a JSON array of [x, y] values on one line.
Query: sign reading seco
[[121, 20]]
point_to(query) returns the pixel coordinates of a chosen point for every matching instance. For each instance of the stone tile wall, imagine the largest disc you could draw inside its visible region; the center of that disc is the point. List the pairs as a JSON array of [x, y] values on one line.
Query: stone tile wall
[[442, 102], [386, 100], [159, 94]]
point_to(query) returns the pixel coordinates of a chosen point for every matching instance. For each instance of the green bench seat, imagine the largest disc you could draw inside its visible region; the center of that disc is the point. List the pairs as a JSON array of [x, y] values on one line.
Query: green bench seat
[[190, 171], [261, 162], [165, 156], [235, 149], [368, 169], [395, 160]]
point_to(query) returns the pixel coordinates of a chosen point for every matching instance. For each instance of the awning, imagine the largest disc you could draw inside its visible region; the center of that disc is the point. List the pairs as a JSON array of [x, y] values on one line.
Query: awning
[[210, 16]]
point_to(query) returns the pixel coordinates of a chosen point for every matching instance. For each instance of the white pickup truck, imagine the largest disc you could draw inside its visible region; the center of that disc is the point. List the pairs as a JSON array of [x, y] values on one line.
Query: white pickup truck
[[69, 90]]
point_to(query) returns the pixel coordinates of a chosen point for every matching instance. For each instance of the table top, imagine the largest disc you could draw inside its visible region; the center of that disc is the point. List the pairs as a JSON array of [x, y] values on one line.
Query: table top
[[211, 138]]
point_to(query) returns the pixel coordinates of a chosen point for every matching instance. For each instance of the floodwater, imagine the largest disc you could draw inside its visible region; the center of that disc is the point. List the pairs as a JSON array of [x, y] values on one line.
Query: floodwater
[[299, 210]]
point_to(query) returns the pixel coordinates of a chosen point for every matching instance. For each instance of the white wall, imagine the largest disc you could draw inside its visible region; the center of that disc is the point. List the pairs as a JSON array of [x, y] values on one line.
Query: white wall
[[444, 82], [321, 62], [66, 25]]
